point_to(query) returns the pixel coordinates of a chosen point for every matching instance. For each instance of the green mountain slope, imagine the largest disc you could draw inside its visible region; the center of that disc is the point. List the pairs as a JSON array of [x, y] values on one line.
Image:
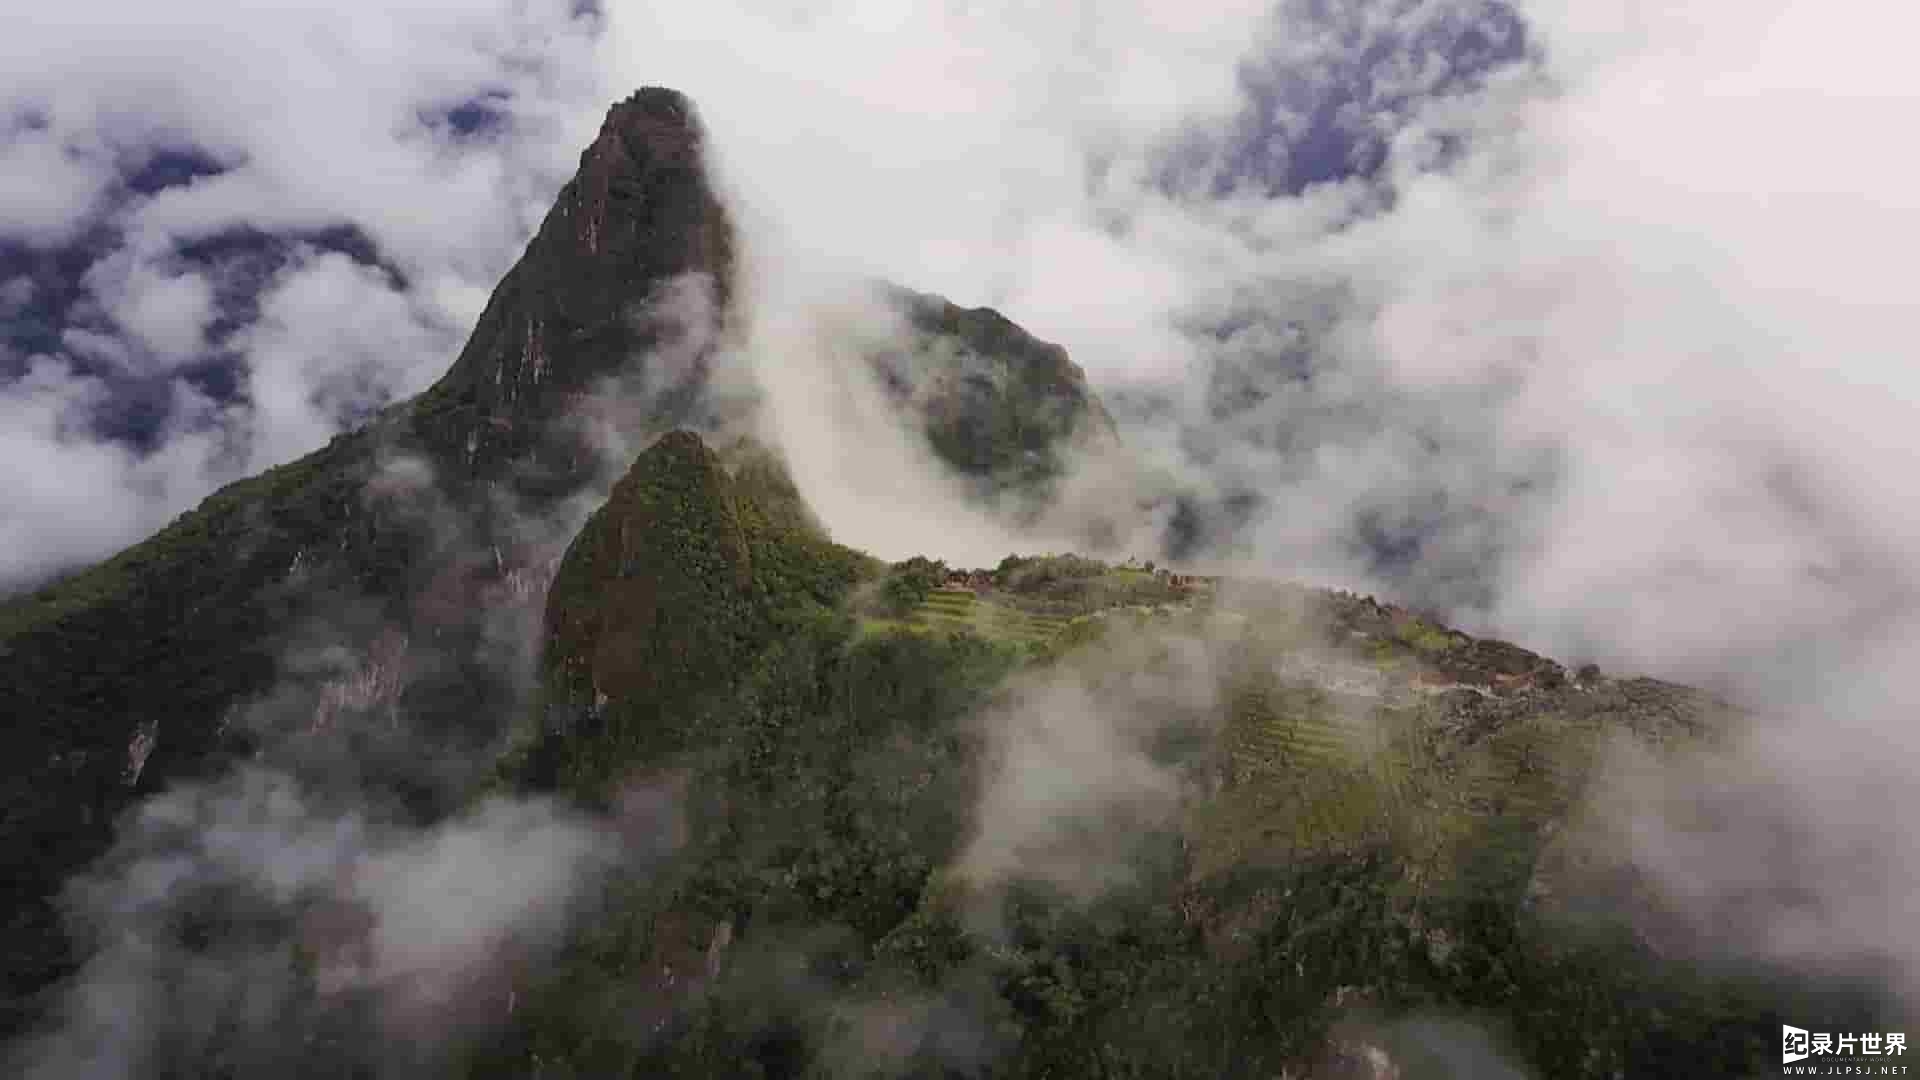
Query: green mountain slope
[[663, 601], [1271, 824], [1001, 406], [127, 675], [410, 556]]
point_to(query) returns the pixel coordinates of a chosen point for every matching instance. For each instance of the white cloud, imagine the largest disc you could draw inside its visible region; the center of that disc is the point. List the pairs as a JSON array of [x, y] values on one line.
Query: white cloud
[[429, 924], [316, 107], [62, 484], [68, 491], [1680, 274], [334, 341], [1072, 781], [1710, 330], [948, 147], [15, 295], [165, 310], [996, 153], [47, 185], [319, 116]]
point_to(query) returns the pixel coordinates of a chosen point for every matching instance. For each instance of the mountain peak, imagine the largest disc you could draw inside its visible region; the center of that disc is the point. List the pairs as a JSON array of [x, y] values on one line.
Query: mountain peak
[[134, 668], [651, 137], [650, 109], [664, 597], [421, 546], [637, 251]]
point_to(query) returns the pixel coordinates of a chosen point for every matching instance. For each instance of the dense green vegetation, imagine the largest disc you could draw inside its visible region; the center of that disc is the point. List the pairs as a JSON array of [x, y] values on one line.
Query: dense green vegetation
[[1045, 605], [818, 800], [1000, 622], [665, 599], [1074, 585], [996, 403], [1351, 851], [168, 656], [163, 637], [1337, 864]]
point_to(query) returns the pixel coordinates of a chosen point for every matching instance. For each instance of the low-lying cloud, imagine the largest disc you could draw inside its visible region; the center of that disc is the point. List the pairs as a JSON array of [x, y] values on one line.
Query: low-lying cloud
[[256, 922]]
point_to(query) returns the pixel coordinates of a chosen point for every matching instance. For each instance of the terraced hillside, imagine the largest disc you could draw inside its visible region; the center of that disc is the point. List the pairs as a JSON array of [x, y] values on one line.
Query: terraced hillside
[[1041, 602], [960, 610], [1350, 724], [1345, 724], [1102, 825]]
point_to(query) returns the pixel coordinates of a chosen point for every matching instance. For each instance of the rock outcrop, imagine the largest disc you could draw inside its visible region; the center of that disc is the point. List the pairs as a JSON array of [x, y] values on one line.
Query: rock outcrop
[[662, 603], [636, 253], [652, 606], [1001, 406]]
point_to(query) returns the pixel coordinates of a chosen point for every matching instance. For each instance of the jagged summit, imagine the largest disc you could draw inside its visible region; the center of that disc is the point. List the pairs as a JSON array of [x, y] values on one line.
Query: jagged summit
[[637, 250], [432, 526], [409, 544], [664, 598]]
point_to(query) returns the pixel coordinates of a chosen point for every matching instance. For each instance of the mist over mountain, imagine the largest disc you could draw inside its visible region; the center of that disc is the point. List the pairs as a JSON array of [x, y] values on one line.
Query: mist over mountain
[[985, 541]]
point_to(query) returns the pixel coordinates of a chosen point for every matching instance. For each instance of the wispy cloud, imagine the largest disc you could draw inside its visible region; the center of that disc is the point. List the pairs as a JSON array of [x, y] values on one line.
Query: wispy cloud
[[146, 154], [1598, 343], [325, 931]]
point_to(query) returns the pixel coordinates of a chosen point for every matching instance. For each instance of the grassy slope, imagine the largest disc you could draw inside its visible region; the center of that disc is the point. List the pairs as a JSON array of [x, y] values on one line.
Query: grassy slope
[[1354, 845], [1034, 613], [963, 612]]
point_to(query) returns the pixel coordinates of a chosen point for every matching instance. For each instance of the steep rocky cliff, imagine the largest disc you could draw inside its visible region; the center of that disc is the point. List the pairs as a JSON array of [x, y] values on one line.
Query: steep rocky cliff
[[399, 572], [636, 253], [423, 528]]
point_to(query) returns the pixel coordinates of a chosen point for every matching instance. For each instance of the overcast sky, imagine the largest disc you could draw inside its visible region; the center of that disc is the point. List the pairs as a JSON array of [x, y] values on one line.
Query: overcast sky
[[1604, 300], [227, 234]]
